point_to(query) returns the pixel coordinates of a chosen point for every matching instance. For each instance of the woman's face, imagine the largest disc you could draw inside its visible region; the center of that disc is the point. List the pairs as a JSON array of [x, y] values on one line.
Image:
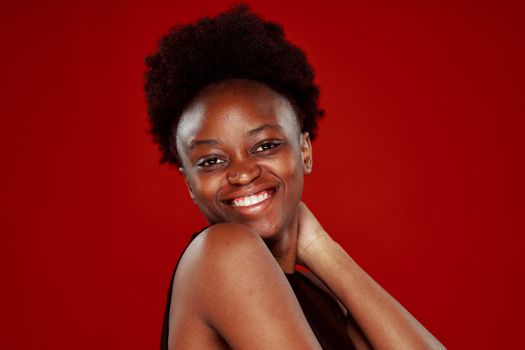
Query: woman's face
[[243, 156]]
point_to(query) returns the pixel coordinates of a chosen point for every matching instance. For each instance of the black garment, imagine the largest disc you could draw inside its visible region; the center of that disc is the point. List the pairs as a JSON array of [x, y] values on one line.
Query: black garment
[[322, 312]]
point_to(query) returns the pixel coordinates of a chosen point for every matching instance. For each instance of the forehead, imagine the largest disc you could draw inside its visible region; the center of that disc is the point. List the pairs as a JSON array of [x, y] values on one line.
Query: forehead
[[234, 106]]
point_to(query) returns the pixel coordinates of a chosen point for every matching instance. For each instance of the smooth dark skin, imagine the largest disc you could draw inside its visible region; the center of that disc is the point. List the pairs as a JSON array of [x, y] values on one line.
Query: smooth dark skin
[[234, 139]]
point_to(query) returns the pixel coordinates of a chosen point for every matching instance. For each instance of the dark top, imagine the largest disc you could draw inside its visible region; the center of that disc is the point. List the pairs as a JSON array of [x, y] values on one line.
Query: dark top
[[323, 313]]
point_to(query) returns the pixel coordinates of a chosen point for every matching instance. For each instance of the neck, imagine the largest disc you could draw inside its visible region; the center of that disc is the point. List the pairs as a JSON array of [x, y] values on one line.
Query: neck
[[284, 247]]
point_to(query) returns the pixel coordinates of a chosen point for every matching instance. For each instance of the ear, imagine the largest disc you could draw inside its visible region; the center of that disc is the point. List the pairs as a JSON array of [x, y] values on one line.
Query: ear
[[306, 153], [188, 186]]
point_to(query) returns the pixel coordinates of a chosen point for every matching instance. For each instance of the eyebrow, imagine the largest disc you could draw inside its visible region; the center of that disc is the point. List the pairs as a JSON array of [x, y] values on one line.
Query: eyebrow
[[213, 142], [197, 143], [264, 127]]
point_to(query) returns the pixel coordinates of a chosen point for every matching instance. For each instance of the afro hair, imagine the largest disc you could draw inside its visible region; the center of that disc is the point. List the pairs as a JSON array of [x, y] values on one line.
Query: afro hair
[[236, 44]]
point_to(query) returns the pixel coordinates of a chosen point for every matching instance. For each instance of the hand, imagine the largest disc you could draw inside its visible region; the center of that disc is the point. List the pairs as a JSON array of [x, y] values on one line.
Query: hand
[[310, 233]]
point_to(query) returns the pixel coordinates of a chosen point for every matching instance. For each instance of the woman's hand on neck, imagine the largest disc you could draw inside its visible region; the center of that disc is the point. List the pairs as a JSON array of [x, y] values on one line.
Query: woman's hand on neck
[[304, 234], [310, 234]]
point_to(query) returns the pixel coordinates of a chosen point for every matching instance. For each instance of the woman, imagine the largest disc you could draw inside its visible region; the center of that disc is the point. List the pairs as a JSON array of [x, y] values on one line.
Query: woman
[[233, 104]]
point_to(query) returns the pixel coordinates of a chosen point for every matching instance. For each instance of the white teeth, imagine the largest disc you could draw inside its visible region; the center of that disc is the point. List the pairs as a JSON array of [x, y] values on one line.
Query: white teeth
[[250, 200]]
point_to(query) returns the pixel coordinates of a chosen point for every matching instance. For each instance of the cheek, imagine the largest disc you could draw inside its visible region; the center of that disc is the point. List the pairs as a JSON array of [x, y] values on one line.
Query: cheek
[[204, 195], [289, 167], [205, 188]]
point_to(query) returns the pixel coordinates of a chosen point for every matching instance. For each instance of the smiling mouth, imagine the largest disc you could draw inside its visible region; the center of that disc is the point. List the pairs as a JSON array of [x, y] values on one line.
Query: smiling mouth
[[253, 199]]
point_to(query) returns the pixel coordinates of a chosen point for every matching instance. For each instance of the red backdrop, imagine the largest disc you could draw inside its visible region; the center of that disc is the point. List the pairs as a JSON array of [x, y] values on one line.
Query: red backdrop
[[418, 169]]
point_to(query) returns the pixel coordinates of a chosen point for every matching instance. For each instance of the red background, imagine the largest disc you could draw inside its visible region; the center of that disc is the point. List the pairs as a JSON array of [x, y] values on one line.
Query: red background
[[418, 169]]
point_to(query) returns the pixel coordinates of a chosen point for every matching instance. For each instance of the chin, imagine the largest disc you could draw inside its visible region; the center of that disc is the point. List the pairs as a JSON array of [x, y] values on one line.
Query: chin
[[267, 230]]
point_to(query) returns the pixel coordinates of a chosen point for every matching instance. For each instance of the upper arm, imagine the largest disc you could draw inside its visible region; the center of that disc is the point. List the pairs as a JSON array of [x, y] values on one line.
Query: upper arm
[[238, 289]]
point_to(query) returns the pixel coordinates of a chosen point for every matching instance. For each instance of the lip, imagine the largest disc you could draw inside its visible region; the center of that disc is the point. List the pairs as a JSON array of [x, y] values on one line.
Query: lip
[[248, 192], [252, 209]]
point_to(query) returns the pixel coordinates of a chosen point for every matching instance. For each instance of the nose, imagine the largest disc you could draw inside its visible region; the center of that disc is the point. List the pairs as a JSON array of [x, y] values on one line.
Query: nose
[[243, 172]]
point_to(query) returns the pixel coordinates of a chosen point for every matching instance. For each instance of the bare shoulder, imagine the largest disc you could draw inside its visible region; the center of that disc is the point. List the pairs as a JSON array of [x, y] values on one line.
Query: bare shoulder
[[215, 248], [226, 236], [228, 283], [221, 247]]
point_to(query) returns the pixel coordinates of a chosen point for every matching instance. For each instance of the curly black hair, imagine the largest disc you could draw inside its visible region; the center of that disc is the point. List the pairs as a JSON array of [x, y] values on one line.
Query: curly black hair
[[236, 44]]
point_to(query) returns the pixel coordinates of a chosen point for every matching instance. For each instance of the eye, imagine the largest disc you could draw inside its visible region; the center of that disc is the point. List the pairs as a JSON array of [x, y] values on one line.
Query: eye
[[208, 162], [267, 146]]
